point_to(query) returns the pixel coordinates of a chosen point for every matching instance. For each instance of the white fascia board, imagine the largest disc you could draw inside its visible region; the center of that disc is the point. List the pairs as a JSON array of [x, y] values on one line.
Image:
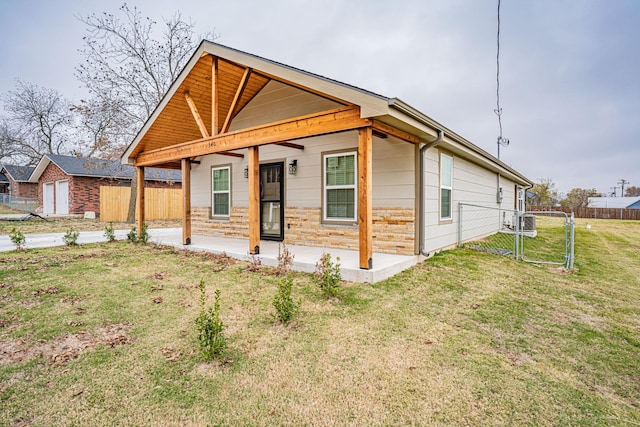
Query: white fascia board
[[39, 170]]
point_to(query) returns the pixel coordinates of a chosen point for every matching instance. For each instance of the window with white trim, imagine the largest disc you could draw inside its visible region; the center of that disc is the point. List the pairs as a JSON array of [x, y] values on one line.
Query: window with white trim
[[446, 186], [220, 191], [340, 186], [521, 193]]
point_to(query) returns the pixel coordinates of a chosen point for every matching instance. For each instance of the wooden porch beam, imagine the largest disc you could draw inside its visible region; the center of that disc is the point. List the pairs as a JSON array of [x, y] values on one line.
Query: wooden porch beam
[[395, 132], [231, 154], [365, 198], [236, 99], [140, 199], [186, 202], [325, 122], [254, 201], [196, 115], [291, 145], [202, 127], [215, 126]]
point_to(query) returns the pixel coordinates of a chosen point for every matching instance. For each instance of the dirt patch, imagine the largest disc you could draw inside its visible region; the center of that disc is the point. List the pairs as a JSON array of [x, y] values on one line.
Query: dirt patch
[[61, 350], [51, 290]]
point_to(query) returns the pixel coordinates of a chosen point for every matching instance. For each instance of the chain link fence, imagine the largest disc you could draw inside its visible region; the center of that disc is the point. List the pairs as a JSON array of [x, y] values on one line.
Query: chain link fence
[[20, 204], [538, 237]]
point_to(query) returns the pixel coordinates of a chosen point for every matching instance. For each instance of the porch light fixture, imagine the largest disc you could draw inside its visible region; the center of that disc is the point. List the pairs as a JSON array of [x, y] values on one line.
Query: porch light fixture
[[293, 167], [246, 171]]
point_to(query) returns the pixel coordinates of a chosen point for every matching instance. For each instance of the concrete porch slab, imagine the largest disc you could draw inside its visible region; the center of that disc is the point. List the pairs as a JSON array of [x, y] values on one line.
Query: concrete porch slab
[[305, 257]]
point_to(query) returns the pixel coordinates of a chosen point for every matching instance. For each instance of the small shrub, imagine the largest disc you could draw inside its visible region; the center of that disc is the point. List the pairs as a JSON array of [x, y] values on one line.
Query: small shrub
[[285, 307], [18, 239], [285, 260], [255, 263], [70, 238], [210, 327], [132, 235], [110, 233], [144, 235], [327, 275]]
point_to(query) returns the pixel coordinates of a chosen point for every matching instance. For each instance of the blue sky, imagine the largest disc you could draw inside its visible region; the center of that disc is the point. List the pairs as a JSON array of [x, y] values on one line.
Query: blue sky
[[570, 69]]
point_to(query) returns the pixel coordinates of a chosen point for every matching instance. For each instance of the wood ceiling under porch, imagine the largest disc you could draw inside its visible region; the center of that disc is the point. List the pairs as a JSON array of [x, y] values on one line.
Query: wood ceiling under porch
[[196, 120]]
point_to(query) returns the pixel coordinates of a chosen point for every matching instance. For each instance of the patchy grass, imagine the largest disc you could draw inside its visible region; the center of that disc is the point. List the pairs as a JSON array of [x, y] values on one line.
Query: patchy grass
[[61, 225], [4, 209], [104, 334]]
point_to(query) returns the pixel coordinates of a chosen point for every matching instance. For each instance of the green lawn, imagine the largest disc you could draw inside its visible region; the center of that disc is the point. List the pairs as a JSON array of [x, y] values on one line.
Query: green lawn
[[104, 335], [61, 225]]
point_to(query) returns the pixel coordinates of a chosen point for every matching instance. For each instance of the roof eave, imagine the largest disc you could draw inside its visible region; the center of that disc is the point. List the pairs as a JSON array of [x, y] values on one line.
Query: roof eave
[[399, 108], [371, 104]]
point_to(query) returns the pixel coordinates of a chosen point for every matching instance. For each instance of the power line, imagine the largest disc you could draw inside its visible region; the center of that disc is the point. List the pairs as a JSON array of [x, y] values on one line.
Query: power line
[[502, 141]]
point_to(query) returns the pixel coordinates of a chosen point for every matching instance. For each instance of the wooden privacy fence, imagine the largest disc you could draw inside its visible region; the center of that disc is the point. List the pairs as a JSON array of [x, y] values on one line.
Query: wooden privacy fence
[[602, 213], [160, 203]]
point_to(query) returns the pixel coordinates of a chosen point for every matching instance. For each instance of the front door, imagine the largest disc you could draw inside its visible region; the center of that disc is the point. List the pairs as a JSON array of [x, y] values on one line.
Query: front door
[[271, 201]]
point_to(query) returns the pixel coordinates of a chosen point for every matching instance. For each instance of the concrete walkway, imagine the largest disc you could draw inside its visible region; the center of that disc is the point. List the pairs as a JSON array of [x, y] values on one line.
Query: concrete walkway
[[305, 257]]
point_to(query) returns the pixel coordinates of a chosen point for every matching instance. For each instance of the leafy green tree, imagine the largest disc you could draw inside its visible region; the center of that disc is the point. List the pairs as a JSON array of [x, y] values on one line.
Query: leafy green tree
[[544, 193]]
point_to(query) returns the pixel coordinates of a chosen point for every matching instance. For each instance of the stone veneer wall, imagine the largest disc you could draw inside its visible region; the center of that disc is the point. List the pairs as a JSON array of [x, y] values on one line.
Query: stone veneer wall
[[393, 228]]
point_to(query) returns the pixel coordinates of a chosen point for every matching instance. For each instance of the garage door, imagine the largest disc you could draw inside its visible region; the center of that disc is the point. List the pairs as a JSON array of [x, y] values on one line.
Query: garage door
[[47, 198], [62, 198]]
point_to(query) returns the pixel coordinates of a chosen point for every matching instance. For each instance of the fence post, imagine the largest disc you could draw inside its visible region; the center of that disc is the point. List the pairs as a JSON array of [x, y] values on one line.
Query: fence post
[[459, 224], [571, 243], [517, 234]]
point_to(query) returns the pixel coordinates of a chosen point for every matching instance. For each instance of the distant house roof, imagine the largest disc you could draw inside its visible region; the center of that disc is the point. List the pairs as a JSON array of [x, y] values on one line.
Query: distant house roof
[[3, 178], [17, 173], [614, 202], [100, 168]]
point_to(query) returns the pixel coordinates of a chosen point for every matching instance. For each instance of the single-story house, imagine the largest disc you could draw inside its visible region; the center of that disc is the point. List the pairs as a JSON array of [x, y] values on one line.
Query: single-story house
[[17, 179], [272, 152], [615, 202], [4, 184], [69, 185]]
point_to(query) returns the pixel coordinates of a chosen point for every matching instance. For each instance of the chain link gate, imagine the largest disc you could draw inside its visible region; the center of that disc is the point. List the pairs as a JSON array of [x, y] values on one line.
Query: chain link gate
[[536, 237]]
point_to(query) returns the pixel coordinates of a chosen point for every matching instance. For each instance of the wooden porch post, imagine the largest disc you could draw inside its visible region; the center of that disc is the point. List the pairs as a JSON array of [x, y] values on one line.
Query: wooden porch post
[[186, 202], [140, 199], [365, 188], [254, 201]]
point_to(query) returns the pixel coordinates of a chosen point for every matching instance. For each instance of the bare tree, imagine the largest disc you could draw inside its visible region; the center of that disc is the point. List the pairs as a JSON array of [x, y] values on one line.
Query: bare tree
[[101, 129], [632, 191], [128, 63], [38, 121]]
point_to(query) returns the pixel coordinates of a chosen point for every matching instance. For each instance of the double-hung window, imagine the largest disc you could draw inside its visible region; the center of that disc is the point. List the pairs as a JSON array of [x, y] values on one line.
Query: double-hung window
[[220, 191], [340, 187], [446, 186]]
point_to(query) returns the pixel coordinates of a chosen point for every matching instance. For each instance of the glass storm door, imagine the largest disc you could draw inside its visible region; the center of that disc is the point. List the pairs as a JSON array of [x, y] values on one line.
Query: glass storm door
[[271, 202]]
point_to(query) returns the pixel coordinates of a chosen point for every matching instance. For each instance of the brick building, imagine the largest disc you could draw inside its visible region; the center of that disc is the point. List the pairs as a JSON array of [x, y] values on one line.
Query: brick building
[[69, 185], [16, 181]]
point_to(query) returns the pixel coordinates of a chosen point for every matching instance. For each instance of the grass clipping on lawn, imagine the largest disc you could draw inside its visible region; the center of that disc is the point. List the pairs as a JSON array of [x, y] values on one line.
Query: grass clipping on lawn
[[463, 338]]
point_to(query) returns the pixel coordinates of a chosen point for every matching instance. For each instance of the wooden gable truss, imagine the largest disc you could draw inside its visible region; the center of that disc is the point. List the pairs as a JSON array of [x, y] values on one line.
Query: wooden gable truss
[[196, 121]]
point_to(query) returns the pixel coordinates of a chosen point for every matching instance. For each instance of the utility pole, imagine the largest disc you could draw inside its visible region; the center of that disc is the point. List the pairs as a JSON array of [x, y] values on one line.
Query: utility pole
[[622, 182], [614, 190]]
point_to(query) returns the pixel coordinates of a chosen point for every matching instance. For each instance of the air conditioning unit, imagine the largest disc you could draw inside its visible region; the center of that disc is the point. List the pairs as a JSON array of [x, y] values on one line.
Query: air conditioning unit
[[528, 222]]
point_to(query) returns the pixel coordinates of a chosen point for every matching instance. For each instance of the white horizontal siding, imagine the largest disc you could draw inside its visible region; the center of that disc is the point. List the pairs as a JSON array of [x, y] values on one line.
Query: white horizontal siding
[[393, 172], [471, 184]]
